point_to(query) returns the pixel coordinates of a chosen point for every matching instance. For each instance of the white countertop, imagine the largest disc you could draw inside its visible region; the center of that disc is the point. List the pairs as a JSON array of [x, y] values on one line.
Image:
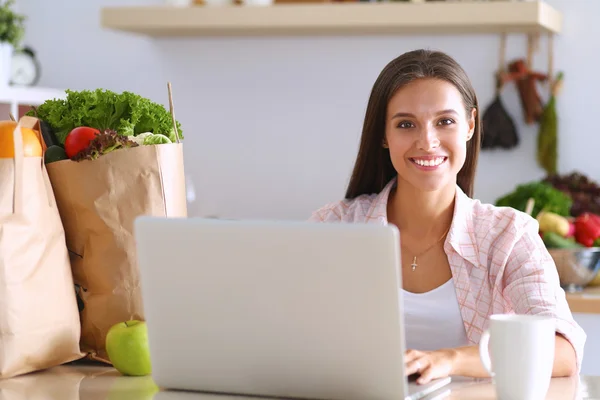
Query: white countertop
[[93, 382]]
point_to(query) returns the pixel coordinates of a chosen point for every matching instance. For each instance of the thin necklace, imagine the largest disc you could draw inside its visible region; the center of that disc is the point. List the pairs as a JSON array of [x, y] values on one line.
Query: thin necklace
[[414, 264]]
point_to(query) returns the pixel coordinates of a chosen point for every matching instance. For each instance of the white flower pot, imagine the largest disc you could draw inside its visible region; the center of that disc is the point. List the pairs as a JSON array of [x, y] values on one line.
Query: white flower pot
[[6, 53]]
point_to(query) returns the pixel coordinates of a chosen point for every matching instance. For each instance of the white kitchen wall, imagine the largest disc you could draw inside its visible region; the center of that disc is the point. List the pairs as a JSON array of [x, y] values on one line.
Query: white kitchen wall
[[272, 124]]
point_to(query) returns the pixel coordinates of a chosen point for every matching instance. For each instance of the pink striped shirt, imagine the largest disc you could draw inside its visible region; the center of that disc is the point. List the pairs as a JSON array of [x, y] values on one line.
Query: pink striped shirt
[[498, 261]]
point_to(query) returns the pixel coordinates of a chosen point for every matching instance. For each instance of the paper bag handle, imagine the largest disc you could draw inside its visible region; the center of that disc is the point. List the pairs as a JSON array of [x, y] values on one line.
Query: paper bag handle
[[19, 156], [172, 111]]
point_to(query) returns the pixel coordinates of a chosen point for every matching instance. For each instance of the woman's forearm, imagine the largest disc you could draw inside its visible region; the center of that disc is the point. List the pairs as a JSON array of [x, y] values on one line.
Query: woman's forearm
[[467, 362], [565, 360]]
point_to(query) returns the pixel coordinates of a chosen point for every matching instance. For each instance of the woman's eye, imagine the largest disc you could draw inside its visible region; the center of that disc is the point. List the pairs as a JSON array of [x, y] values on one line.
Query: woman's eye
[[447, 121], [405, 124]]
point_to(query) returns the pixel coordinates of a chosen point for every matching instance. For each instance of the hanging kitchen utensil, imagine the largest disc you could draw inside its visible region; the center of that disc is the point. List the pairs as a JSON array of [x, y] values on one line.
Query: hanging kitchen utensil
[[526, 80], [547, 141], [499, 130]]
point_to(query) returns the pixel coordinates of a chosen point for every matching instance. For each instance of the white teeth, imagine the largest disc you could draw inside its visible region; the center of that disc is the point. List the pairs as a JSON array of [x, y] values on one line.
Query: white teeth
[[430, 163]]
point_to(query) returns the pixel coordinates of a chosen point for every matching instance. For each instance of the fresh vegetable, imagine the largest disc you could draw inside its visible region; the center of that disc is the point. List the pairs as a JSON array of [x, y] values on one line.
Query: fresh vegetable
[[587, 229], [55, 153], [79, 139], [139, 139], [149, 138], [554, 240], [548, 130], [551, 222], [156, 139], [32, 146], [546, 198], [104, 143], [571, 232], [584, 191], [126, 113], [48, 135]]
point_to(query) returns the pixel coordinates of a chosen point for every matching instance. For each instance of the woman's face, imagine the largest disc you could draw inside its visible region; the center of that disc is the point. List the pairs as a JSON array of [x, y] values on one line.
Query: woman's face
[[427, 129]]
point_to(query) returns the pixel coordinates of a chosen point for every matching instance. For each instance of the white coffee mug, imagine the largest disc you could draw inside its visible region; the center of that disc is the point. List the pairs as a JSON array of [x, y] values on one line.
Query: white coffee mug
[[522, 355]]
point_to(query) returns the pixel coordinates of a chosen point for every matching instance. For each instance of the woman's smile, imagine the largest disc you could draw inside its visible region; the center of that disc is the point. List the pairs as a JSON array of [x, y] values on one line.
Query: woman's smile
[[428, 163]]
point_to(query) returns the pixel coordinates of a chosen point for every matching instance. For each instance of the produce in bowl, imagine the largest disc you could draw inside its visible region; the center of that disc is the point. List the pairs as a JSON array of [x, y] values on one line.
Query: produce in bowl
[[574, 244], [571, 243], [568, 227]]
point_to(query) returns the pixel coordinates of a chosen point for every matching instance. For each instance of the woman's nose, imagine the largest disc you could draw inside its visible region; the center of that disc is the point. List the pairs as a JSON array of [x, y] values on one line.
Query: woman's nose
[[428, 139]]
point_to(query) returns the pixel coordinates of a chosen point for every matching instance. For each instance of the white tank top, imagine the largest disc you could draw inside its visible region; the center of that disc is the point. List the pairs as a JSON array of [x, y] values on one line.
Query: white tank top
[[432, 319]]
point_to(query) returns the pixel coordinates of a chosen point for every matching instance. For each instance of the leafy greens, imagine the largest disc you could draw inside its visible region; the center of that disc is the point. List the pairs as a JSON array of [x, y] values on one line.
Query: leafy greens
[[546, 198], [126, 113], [104, 143]]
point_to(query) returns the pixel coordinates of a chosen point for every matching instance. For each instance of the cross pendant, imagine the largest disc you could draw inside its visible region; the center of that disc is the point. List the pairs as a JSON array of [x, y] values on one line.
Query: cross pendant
[[414, 264]]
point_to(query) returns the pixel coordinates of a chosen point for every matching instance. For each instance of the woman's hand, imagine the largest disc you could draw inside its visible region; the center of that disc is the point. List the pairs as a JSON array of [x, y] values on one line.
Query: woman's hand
[[465, 361], [430, 364]]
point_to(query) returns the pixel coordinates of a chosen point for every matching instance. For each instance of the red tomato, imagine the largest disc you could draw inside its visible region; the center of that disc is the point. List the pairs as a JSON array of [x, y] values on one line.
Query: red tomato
[[79, 139]]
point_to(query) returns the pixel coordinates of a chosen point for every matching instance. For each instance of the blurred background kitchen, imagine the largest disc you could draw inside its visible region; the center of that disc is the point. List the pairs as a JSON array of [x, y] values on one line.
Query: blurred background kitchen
[[272, 122]]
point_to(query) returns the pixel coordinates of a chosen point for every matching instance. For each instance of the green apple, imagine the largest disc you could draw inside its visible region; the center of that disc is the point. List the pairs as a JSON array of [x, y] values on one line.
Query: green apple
[[127, 348]]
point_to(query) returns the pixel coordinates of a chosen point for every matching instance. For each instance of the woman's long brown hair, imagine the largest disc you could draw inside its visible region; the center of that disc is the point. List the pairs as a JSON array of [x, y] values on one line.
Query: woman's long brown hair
[[373, 168]]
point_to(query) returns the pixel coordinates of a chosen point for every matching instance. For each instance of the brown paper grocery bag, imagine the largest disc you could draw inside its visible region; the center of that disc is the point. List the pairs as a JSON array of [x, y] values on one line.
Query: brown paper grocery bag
[[98, 202], [39, 319]]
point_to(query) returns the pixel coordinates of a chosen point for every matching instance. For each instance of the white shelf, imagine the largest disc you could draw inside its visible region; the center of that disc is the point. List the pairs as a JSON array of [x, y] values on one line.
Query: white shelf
[[32, 96], [336, 18], [28, 96]]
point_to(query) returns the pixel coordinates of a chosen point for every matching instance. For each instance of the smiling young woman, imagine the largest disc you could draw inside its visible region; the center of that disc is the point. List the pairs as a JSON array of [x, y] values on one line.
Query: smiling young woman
[[462, 260]]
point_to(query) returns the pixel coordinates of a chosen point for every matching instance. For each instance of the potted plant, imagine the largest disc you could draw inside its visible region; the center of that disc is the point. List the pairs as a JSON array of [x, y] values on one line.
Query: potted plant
[[12, 30]]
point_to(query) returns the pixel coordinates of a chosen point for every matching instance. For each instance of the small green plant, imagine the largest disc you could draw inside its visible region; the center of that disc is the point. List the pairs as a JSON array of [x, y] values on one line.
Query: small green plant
[[12, 28]]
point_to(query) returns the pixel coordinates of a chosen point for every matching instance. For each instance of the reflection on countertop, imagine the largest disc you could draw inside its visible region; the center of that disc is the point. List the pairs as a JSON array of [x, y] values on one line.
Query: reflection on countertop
[[87, 381]]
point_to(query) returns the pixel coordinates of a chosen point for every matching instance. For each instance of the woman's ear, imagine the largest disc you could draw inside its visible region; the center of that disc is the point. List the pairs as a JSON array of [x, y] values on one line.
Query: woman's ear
[[472, 124]]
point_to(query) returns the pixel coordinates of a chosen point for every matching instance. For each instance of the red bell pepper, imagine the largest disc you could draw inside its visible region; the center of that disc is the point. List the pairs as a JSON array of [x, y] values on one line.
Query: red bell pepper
[[587, 229]]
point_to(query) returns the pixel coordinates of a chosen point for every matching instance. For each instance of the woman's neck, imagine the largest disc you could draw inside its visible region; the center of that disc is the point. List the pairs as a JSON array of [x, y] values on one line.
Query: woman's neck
[[422, 214]]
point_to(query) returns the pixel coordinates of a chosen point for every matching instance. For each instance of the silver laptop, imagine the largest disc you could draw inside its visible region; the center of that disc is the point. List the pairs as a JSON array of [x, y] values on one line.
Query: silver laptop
[[275, 309]]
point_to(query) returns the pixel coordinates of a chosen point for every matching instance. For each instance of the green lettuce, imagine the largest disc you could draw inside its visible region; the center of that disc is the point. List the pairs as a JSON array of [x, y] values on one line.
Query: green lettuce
[[546, 198], [126, 113], [156, 139]]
